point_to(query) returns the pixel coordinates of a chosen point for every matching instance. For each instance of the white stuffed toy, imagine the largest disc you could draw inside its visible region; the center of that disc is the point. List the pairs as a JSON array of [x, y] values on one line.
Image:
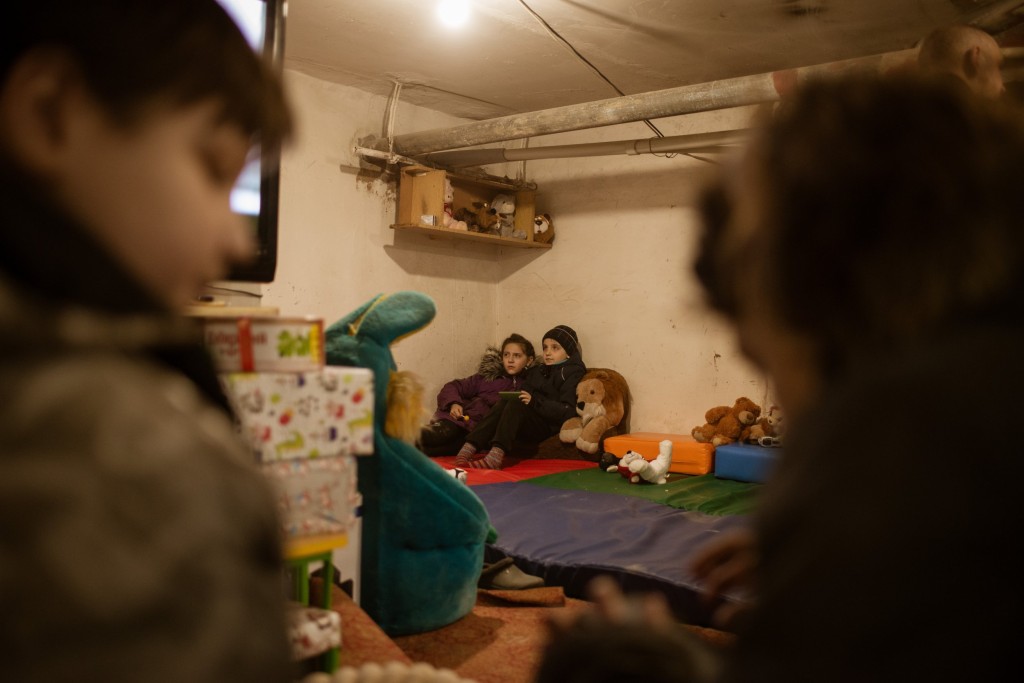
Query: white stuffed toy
[[637, 468], [448, 219], [504, 207], [457, 473]]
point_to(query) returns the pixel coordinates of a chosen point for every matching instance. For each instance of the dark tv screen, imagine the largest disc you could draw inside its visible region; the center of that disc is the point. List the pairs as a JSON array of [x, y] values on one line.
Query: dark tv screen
[[256, 193]]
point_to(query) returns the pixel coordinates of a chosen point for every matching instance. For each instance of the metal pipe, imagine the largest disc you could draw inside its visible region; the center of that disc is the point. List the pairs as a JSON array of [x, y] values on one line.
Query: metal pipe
[[496, 155], [687, 99]]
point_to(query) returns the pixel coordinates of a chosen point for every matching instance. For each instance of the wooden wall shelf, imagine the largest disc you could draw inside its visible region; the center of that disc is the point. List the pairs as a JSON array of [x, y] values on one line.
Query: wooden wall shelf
[[446, 234], [421, 206]]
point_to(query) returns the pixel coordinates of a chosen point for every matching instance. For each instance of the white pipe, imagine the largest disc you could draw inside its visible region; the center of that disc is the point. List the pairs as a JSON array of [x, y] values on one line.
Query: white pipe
[[687, 99], [664, 145]]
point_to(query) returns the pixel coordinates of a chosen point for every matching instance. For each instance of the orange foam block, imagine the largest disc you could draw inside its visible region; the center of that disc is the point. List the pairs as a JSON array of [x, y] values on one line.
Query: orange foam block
[[688, 456]]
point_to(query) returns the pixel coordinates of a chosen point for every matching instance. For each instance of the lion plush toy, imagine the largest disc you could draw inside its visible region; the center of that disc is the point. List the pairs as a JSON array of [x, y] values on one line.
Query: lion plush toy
[[724, 424], [602, 403]]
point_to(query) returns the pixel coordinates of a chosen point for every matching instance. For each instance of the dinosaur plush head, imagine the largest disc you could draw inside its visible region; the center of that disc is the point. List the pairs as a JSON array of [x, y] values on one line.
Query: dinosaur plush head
[[363, 338]]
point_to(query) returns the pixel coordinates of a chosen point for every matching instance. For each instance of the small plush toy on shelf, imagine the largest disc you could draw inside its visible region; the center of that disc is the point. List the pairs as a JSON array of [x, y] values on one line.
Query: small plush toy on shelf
[[543, 229], [480, 218], [448, 220], [503, 207]]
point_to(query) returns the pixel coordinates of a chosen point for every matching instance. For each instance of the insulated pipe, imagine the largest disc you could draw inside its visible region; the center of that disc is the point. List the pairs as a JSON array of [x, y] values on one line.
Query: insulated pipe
[[687, 99], [497, 155]]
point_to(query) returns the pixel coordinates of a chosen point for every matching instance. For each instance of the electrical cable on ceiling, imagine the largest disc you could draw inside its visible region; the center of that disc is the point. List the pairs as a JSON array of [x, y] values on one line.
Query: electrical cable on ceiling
[[389, 126], [557, 36]]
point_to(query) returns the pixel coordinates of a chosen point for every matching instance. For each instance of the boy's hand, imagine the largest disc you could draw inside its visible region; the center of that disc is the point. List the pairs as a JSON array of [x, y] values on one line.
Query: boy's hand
[[525, 397], [455, 411], [613, 607], [722, 565]]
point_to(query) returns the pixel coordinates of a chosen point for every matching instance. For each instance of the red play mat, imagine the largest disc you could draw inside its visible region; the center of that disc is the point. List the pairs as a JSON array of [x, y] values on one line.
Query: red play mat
[[516, 470]]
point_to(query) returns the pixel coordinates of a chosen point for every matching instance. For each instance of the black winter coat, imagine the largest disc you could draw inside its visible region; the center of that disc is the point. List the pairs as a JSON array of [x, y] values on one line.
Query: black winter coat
[[553, 390]]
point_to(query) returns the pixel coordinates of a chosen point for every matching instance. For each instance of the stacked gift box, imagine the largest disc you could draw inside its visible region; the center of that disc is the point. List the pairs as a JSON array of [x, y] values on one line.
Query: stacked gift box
[[304, 420]]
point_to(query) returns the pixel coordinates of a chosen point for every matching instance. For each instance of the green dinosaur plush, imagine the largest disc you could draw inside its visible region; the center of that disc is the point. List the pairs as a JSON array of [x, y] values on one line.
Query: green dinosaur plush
[[423, 531]]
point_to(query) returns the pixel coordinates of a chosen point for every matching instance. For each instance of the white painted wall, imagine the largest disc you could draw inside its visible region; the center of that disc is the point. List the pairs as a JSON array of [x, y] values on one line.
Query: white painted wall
[[336, 247], [618, 273]]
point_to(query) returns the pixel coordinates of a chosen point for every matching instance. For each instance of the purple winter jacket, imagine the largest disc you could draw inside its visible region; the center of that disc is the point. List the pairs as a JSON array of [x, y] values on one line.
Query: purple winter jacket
[[477, 393]]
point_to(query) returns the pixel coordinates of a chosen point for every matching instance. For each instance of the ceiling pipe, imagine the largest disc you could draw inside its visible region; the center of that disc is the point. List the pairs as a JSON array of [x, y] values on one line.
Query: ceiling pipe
[[687, 99], [665, 145]]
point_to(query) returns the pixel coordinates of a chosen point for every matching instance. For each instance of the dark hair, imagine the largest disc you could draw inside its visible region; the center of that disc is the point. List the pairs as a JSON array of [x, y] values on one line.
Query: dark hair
[[714, 208], [136, 53], [597, 651], [880, 210], [522, 341]]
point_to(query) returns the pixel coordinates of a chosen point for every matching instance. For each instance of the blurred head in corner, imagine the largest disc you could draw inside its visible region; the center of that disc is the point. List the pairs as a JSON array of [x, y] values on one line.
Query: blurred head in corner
[[966, 54], [865, 218], [134, 119]]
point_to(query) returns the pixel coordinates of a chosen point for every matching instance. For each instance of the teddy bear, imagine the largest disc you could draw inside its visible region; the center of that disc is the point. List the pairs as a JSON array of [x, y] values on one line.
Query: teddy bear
[[637, 468], [724, 424], [543, 229], [448, 218], [767, 431], [503, 207], [479, 218], [602, 403]]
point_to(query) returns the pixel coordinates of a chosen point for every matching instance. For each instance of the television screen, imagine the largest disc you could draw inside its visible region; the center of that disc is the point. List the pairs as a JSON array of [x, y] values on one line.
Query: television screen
[[256, 192]]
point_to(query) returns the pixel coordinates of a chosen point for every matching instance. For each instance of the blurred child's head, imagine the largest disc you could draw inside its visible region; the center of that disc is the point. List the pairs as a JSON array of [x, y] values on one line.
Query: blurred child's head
[[135, 118], [818, 278], [516, 353], [560, 344], [967, 53]]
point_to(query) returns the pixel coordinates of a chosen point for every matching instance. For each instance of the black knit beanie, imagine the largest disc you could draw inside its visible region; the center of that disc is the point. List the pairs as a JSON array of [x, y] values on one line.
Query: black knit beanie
[[566, 336]]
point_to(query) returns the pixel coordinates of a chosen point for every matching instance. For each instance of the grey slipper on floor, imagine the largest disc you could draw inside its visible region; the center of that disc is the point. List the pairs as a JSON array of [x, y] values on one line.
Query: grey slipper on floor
[[504, 575]]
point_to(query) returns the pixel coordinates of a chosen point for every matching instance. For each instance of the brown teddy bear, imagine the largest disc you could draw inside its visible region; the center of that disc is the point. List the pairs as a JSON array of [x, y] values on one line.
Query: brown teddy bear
[[602, 403], [725, 424]]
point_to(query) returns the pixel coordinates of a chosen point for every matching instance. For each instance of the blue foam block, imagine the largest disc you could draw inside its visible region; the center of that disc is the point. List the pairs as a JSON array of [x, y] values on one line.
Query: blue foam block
[[745, 462]]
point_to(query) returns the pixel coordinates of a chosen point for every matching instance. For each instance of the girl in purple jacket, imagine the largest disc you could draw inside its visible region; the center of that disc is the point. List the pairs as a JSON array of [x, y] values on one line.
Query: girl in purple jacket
[[462, 403]]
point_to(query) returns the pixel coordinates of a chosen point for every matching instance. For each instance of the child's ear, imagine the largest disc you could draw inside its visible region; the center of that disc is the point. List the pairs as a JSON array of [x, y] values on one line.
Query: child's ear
[[42, 91], [972, 62]]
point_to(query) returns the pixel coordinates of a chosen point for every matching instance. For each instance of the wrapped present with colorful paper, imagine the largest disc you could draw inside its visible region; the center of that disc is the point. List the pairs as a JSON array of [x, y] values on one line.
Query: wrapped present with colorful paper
[[295, 415], [312, 631], [265, 344], [315, 497]]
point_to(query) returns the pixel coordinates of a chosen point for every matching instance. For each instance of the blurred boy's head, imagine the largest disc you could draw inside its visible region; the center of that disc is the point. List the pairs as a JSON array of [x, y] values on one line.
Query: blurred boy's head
[[967, 53], [868, 216], [135, 118]]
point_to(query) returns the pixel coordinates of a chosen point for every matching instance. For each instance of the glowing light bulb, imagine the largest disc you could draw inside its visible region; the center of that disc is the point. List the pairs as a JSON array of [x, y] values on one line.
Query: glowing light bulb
[[453, 13]]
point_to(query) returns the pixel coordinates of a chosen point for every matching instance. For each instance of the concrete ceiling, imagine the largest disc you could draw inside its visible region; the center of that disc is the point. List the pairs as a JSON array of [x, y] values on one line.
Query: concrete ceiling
[[505, 61]]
